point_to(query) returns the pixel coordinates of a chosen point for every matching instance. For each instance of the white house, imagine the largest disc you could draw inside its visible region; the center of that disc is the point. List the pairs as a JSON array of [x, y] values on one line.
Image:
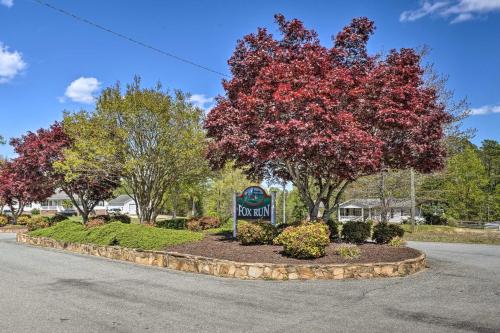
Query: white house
[[57, 203], [369, 209], [122, 204]]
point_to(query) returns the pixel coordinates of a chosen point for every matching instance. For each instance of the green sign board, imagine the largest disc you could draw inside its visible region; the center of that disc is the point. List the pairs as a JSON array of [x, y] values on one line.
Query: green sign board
[[253, 204]]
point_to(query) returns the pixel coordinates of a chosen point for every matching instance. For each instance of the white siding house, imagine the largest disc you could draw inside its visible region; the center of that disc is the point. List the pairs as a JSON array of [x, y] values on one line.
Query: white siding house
[[369, 209], [123, 204]]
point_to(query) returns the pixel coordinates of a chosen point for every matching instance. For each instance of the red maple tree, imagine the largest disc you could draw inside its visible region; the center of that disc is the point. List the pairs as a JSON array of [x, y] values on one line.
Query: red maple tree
[[321, 117], [27, 178]]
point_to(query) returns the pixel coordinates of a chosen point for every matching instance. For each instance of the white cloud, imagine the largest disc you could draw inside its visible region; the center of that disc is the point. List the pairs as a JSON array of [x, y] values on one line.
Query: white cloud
[[485, 109], [201, 101], [7, 3], [11, 63], [455, 10], [82, 90]]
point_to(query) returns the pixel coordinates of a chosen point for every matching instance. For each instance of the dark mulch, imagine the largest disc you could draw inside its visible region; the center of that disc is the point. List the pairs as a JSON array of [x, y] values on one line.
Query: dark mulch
[[224, 247]]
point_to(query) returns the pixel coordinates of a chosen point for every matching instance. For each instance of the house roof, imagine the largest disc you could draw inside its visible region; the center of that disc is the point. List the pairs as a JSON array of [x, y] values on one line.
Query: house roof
[[373, 203], [120, 200], [59, 195]]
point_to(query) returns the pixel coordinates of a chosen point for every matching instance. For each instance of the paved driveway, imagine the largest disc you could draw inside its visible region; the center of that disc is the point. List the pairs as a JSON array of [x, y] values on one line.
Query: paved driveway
[[52, 291]]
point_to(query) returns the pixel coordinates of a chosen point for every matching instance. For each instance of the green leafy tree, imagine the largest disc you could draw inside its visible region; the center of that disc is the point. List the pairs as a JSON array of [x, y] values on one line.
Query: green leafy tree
[[464, 185], [490, 155], [218, 200], [160, 140]]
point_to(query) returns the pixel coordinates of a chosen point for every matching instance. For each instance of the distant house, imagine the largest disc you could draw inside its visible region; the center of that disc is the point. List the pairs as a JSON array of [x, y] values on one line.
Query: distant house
[[123, 204], [369, 209]]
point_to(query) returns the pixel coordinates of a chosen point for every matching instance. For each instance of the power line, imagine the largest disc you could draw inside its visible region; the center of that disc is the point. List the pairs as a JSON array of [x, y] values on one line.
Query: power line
[[130, 39]]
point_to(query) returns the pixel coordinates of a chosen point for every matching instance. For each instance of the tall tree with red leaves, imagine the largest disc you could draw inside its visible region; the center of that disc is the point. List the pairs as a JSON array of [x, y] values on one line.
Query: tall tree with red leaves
[[321, 117], [27, 178]]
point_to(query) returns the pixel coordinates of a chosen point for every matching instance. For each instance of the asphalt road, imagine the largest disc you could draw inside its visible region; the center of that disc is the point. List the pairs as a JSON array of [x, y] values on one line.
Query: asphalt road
[[44, 290]]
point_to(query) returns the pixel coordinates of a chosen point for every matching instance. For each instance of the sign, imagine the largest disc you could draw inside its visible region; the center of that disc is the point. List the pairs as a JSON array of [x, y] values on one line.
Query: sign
[[254, 204]]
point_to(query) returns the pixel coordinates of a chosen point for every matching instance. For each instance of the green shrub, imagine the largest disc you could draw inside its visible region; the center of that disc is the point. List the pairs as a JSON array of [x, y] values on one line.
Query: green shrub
[[202, 223], [104, 217], [58, 218], [348, 251], [38, 222], [4, 220], [177, 223], [35, 211], [252, 233], [304, 241], [356, 232], [334, 229], [116, 233], [121, 218], [23, 219], [384, 232], [397, 242]]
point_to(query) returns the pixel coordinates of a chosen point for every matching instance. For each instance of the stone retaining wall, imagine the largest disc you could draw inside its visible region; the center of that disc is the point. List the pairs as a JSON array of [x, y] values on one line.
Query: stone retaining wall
[[226, 268]]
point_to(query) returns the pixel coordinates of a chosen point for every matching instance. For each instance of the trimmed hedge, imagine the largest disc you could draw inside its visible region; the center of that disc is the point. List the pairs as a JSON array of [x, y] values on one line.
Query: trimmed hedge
[[334, 229], [136, 236], [177, 223], [253, 233], [58, 218], [383, 233], [356, 232], [121, 218], [304, 241]]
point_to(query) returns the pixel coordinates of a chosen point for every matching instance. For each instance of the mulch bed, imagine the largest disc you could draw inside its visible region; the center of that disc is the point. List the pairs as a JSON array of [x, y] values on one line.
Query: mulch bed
[[224, 247]]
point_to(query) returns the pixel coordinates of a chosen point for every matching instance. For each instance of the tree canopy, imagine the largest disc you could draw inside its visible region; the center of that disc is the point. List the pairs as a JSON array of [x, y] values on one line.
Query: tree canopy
[[321, 117]]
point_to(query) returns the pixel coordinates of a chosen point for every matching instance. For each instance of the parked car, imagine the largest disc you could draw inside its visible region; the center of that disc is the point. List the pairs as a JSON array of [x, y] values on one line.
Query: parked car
[[492, 225], [114, 211], [68, 212]]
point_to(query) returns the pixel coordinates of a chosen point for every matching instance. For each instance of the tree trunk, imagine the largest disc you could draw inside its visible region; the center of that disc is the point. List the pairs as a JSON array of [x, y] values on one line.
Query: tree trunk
[[412, 198], [383, 197]]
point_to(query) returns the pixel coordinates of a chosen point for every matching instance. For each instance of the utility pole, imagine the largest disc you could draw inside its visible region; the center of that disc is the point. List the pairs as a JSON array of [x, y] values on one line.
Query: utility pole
[[412, 199]]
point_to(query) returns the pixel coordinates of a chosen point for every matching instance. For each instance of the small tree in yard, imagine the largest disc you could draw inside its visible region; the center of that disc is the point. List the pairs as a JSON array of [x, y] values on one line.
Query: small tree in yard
[[321, 117], [160, 139], [89, 169]]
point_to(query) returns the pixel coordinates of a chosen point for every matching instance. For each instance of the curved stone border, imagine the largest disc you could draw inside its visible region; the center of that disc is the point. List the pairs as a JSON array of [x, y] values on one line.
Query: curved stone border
[[227, 268]]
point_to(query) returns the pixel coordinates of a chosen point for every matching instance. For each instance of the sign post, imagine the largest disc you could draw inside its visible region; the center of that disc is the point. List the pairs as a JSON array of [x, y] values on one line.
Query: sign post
[[253, 204], [235, 215]]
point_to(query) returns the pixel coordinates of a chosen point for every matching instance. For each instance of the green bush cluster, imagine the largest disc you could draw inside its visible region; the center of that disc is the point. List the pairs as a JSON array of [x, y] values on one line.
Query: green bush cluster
[[121, 218], [58, 218], [356, 232], [116, 233], [348, 251], [384, 232], [177, 223], [334, 229], [304, 241], [253, 233]]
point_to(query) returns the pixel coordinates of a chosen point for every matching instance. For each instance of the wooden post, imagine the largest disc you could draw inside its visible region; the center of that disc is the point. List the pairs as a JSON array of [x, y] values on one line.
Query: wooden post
[[235, 216], [412, 198]]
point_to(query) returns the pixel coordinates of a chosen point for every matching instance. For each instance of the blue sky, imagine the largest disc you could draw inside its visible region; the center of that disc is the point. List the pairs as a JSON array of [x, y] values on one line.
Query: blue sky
[[50, 62]]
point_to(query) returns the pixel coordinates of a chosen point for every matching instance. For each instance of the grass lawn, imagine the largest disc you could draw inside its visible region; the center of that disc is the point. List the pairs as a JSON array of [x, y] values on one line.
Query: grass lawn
[[440, 233], [117, 233]]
